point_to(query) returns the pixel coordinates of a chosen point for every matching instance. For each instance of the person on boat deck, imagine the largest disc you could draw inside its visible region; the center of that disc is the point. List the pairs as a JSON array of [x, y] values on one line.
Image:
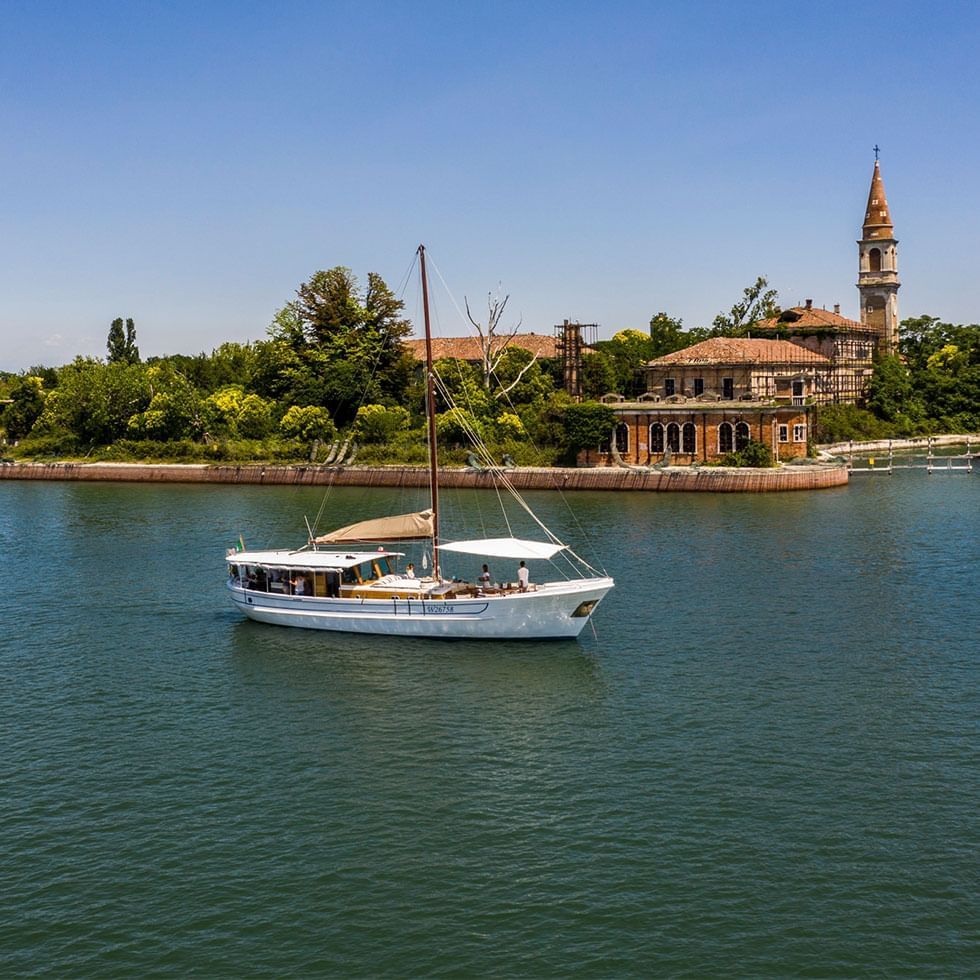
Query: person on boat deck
[[484, 578], [410, 571], [523, 576], [299, 585]]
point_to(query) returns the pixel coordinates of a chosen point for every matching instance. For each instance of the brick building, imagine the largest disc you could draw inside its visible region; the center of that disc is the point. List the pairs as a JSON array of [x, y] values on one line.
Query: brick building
[[695, 431], [712, 397]]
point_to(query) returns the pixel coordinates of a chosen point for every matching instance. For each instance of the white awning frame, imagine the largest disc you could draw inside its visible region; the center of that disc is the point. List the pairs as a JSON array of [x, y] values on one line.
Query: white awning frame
[[505, 548]]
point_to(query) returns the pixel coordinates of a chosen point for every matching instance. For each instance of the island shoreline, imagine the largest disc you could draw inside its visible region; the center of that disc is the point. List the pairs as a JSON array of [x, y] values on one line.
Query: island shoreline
[[715, 479]]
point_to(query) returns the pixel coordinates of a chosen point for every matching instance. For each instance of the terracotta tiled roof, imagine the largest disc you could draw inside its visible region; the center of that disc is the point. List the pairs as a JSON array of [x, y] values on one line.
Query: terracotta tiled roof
[[808, 316], [468, 348], [741, 350]]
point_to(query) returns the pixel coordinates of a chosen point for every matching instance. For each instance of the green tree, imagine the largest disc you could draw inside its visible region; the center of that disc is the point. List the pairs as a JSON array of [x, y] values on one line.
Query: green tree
[[95, 401], [379, 423], [757, 303], [599, 374], [666, 335], [176, 409], [891, 395], [27, 402], [520, 378], [454, 427], [587, 424], [307, 422], [509, 426], [628, 351], [121, 344], [335, 345]]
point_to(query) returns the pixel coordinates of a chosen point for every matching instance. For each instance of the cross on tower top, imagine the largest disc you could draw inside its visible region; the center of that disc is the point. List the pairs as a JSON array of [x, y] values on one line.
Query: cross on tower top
[[877, 149]]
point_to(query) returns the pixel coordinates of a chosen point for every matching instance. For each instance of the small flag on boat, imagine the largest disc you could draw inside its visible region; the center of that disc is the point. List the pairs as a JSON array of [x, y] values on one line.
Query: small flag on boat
[[241, 543]]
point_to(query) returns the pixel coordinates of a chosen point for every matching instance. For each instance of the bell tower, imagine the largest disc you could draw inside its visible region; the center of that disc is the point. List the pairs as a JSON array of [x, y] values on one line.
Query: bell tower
[[878, 281]]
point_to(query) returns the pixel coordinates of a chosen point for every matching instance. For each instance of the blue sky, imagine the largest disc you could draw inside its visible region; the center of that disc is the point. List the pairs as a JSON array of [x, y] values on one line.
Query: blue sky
[[190, 164]]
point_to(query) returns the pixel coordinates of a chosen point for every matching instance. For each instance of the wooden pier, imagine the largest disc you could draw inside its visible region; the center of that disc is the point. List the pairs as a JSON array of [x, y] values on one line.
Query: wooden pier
[[930, 462]]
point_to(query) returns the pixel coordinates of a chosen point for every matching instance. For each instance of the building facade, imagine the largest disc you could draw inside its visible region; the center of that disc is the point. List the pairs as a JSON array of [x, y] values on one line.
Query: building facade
[[700, 432]]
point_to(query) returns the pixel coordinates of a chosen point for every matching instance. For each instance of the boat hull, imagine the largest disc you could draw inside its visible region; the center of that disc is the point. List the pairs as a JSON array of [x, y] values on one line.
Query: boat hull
[[553, 610]]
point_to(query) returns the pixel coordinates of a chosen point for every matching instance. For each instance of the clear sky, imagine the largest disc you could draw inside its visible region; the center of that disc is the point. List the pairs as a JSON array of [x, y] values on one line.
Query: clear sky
[[189, 164]]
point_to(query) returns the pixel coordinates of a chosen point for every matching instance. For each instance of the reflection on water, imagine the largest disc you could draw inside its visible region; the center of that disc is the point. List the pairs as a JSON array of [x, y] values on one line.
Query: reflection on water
[[766, 758]]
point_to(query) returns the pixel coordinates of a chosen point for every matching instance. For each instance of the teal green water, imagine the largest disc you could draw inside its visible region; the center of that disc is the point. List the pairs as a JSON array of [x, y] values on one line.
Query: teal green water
[[765, 763]]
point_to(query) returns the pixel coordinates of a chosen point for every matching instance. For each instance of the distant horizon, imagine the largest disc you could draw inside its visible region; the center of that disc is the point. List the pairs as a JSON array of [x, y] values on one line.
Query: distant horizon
[[191, 167]]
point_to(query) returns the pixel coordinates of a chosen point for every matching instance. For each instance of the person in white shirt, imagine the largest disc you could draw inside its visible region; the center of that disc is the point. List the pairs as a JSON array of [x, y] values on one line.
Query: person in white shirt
[[410, 571], [484, 578], [523, 576]]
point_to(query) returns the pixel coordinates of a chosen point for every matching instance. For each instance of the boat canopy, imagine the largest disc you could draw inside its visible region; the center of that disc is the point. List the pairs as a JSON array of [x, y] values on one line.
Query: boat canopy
[[401, 527], [308, 559], [504, 548]]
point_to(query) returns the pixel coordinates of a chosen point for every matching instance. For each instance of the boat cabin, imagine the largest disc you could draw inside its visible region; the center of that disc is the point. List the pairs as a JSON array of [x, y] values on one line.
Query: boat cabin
[[343, 575]]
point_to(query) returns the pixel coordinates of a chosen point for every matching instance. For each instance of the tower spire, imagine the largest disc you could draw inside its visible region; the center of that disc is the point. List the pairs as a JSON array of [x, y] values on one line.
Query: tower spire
[[878, 280], [877, 218]]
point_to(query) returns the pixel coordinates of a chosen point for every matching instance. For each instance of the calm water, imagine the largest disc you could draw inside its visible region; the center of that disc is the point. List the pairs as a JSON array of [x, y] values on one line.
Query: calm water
[[765, 763]]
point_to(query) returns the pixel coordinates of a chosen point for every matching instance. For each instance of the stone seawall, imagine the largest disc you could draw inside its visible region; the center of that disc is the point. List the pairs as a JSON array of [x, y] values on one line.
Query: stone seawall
[[683, 478]]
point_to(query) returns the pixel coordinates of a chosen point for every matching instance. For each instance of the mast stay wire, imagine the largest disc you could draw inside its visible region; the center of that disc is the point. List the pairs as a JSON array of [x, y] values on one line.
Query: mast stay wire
[[562, 496], [374, 370]]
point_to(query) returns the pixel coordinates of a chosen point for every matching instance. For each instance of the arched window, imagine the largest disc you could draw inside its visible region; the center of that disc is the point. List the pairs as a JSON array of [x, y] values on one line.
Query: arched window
[[674, 437], [741, 436], [623, 437], [726, 437], [656, 438], [874, 258], [690, 438]]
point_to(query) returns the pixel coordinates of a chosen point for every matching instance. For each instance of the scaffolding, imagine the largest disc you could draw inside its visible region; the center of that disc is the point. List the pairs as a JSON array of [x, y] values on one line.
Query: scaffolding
[[571, 339]]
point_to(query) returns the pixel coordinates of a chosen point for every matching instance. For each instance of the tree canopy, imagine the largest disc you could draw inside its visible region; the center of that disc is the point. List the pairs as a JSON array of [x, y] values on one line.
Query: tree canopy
[[121, 344]]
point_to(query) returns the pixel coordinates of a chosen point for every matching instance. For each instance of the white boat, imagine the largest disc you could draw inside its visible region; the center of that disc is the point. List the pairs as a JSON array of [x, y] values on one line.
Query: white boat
[[325, 586]]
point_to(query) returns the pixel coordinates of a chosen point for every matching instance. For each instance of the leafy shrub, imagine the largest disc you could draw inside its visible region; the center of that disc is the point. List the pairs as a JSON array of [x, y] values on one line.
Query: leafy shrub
[[379, 423], [453, 427], [509, 426], [254, 419], [307, 422], [54, 443], [756, 454], [587, 424]]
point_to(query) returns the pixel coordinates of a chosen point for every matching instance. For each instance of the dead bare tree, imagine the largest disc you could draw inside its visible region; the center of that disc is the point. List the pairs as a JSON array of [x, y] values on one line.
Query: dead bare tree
[[494, 344]]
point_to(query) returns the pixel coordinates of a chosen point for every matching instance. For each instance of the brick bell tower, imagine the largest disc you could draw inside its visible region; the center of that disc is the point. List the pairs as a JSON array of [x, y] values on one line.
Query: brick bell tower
[[878, 281]]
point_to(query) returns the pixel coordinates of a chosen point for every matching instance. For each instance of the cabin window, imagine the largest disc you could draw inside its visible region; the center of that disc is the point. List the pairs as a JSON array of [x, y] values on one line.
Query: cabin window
[[784, 433], [669, 386], [699, 386], [874, 258], [674, 437], [726, 437], [690, 436], [656, 438], [741, 436], [799, 433]]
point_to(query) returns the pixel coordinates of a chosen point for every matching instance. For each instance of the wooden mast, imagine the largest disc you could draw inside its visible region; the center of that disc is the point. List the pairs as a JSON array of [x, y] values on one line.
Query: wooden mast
[[430, 412]]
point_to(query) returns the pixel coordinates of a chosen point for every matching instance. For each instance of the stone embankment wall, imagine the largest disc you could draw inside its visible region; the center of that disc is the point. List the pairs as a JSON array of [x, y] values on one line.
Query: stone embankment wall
[[715, 479], [921, 442]]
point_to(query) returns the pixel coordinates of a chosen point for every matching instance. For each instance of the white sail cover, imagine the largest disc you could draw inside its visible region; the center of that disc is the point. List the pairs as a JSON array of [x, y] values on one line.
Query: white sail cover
[[504, 548], [401, 527]]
